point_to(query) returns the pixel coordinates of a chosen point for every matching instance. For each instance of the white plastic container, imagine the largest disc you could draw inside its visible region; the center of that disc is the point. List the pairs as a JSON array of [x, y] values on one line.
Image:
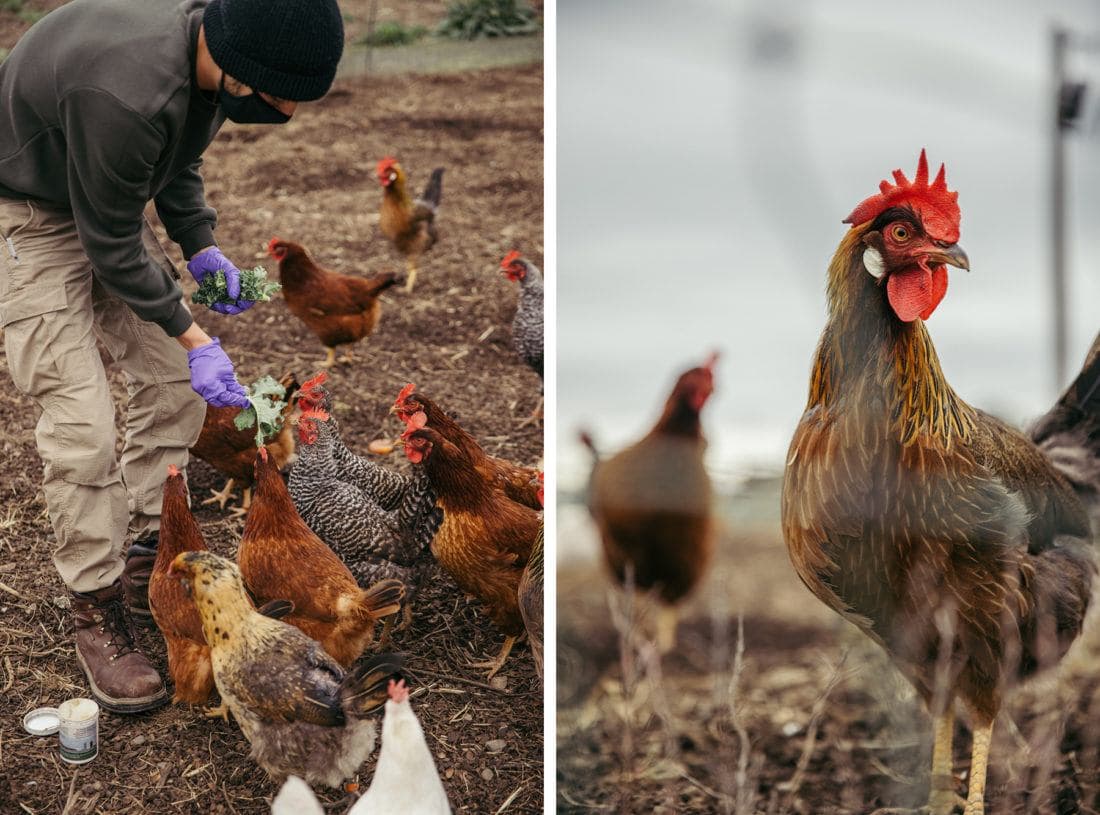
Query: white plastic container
[[79, 730]]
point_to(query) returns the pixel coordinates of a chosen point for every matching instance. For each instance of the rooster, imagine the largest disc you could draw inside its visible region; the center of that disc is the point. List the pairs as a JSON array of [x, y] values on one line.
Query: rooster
[[527, 324], [408, 224], [338, 308], [231, 451], [518, 482], [282, 559], [652, 502], [952, 540], [299, 710], [486, 538]]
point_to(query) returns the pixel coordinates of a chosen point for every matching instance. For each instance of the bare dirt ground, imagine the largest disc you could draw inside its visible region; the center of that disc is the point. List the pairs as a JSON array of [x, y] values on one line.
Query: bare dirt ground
[[810, 717], [312, 181]]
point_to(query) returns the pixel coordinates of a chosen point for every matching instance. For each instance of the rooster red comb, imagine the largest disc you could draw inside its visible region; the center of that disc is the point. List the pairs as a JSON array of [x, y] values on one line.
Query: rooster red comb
[[510, 258], [937, 206], [385, 164], [406, 392]]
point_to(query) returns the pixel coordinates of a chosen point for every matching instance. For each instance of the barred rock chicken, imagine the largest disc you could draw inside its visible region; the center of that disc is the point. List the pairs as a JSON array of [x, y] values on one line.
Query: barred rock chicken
[[297, 707], [519, 483], [527, 324], [530, 596], [652, 502], [486, 537], [408, 224], [231, 451], [950, 539], [282, 559], [373, 542], [405, 779], [338, 308]]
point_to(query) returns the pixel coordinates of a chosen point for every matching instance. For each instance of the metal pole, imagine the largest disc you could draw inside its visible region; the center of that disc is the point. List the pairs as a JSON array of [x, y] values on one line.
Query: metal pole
[[1058, 212]]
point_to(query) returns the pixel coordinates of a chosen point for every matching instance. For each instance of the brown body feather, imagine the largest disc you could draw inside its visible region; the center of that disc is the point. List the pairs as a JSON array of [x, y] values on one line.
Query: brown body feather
[[486, 538], [281, 558], [652, 502], [901, 504], [338, 308], [519, 483], [173, 611]]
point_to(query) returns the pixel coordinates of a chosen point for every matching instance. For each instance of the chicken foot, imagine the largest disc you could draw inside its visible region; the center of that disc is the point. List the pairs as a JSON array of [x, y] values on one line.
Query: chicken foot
[[536, 415], [220, 497], [495, 665], [246, 502]]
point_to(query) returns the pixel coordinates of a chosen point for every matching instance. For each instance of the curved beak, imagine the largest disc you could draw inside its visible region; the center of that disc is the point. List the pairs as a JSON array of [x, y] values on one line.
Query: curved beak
[[952, 255]]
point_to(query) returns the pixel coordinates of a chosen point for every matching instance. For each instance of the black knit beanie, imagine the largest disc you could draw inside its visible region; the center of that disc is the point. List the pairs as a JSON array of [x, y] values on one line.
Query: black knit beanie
[[286, 48]]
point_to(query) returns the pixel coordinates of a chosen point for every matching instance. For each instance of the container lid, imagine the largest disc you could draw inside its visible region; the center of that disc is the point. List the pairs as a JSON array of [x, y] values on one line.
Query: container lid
[[42, 721]]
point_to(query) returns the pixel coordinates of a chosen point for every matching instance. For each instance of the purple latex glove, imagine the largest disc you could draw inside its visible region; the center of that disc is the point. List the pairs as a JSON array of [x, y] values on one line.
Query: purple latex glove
[[211, 261], [212, 376]]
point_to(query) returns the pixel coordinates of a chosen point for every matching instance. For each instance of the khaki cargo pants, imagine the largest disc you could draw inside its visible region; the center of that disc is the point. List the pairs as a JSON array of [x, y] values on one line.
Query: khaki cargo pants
[[52, 310]]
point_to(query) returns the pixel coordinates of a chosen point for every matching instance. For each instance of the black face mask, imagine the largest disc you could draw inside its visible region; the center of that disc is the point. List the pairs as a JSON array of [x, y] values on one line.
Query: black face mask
[[250, 109]]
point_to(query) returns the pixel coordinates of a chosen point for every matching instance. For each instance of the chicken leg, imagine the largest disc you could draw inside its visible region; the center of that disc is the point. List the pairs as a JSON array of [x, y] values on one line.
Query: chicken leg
[[941, 797], [220, 497], [667, 620], [330, 360], [495, 665], [979, 763], [410, 266], [246, 502]]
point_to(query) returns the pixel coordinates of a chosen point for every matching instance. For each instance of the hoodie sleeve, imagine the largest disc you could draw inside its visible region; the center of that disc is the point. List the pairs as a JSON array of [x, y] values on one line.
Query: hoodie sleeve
[[111, 155], [182, 208]]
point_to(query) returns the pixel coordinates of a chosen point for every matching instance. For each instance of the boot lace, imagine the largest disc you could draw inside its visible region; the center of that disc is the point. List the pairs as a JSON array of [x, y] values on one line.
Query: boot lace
[[118, 627]]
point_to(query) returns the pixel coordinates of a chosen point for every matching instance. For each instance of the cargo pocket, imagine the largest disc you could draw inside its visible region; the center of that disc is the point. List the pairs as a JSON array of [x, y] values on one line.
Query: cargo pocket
[[14, 217]]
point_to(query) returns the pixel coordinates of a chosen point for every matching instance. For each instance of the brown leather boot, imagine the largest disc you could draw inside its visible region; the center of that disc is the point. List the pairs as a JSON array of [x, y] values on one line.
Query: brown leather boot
[[140, 558], [121, 678]]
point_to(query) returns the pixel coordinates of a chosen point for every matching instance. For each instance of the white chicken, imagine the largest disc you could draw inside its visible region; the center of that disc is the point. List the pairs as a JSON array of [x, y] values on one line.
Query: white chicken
[[405, 780]]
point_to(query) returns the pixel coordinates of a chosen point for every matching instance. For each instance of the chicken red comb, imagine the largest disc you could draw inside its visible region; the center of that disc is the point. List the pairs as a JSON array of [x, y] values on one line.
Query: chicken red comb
[[173, 470], [415, 422], [510, 258], [406, 392], [263, 453], [937, 206], [307, 430], [385, 164], [271, 245], [309, 388]]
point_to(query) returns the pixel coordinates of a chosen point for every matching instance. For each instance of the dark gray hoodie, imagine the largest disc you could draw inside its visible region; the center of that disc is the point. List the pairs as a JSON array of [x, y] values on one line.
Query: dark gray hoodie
[[99, 112]]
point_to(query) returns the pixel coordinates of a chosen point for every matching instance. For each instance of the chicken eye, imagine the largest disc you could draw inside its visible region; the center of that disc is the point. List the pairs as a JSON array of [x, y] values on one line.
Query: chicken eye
[[900, 233]]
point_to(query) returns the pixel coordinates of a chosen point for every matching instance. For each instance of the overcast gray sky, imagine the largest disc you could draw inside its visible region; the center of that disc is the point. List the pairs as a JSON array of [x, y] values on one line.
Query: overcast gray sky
[[707, 153]]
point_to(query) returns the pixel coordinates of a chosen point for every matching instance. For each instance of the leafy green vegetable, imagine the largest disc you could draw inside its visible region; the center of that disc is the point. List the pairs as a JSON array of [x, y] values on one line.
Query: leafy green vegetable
[[254, 286], [266, 410]]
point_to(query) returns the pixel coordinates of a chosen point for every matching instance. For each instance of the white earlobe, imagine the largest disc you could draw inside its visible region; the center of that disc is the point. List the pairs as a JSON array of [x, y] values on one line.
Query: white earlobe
[[872, 262]]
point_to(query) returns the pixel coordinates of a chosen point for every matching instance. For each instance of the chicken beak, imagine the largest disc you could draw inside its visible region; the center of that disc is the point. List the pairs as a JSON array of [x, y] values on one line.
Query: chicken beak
[[952, 255]]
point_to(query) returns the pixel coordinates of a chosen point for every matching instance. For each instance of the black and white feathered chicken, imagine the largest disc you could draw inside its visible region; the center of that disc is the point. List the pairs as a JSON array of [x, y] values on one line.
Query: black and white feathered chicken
[[527, 324]]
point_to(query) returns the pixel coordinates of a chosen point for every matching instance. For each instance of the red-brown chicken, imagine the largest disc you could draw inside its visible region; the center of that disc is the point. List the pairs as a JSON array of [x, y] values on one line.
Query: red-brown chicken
[[408, 224], [949, 538], [518, 482], [281, 559], [231, 451], [173, 611], [338, 308], [486, 538], [652, 502]]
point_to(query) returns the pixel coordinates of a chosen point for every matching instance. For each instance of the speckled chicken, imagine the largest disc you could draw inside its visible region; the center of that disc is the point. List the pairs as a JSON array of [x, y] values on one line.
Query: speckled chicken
[[519, 483], [300, 711], [527, 323], [373, 542]]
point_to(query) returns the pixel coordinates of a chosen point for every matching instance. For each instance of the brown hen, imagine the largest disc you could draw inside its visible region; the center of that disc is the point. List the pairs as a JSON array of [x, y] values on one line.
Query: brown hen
[[652, 502], [281, 559], [338, 308]]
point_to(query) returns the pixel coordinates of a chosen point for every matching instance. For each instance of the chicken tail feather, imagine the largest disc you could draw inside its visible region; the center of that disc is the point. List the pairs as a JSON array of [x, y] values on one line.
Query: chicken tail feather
[[1060, 589], [366, 688], [383, 598], [1069, 434], [433, 193]]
